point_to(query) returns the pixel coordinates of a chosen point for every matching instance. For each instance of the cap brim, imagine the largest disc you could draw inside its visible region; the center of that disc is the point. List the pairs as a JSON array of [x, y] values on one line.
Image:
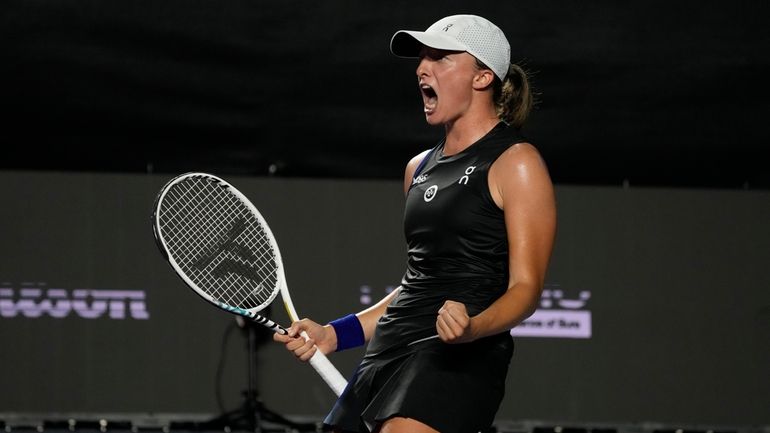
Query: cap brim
[[407, 43]]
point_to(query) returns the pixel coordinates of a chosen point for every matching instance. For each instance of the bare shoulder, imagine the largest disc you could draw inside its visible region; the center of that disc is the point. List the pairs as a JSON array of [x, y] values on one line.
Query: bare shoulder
[[519, 170], [520, 154], [411, 166], [519, 159]]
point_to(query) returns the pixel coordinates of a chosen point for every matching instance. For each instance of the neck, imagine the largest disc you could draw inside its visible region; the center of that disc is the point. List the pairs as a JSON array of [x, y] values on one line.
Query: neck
[[463, 132]]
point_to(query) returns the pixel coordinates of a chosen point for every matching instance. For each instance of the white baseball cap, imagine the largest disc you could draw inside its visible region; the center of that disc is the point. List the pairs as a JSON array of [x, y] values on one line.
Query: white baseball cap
[[470, 33]]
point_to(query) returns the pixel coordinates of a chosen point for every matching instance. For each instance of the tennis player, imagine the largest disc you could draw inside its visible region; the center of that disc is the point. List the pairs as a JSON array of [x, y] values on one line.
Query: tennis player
[[480, 221]]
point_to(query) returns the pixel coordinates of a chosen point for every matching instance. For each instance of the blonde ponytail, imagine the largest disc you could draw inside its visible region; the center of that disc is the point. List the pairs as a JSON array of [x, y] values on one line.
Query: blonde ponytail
[[515, 99]]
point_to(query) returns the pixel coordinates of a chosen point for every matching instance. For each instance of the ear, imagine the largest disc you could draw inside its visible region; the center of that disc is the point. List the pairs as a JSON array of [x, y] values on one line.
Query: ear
[[483, 79]]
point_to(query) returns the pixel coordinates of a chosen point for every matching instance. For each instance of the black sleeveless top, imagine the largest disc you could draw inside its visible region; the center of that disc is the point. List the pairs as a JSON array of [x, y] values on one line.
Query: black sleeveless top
[[457, 242]]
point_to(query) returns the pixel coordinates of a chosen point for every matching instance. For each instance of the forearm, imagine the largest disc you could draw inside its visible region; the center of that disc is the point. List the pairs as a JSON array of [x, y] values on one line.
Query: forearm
[[512, 308], [371, 315]]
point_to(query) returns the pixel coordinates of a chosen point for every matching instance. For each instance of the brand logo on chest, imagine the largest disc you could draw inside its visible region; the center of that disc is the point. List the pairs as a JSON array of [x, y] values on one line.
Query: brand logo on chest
[[468, 171], [430, 193], [419, 179]]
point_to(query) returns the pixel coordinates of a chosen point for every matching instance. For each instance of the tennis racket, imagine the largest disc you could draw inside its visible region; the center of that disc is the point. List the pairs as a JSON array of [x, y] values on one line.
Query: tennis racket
[[222, 248]]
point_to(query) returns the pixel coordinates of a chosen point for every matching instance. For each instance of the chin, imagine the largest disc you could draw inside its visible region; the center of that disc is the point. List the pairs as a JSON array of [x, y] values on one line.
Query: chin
[[432, 120]]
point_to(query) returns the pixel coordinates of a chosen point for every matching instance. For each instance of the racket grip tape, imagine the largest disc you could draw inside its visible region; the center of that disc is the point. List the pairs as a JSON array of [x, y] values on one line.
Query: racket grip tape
[[327, 371]]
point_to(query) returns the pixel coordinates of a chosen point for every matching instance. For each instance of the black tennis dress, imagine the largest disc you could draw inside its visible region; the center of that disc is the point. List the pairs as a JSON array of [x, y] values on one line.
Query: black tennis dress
[[457, 250]]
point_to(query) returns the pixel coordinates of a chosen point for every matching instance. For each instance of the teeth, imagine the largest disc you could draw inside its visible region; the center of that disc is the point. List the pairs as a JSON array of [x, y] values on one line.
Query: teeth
[[428, 108], [429, 98], [429, 104]]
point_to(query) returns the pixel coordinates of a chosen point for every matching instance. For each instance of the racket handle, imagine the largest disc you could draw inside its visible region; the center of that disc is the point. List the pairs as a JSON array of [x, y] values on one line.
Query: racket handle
[[270, 324], [319, 361], [253, 316], [326, 370]]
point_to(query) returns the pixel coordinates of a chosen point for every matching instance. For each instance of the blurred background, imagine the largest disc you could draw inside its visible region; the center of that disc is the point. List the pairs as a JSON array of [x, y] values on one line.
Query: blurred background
[[651, 117], [653, 93]]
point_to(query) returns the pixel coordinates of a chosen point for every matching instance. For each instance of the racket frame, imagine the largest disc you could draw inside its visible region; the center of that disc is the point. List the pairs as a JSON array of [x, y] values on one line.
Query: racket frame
[[319, 361]]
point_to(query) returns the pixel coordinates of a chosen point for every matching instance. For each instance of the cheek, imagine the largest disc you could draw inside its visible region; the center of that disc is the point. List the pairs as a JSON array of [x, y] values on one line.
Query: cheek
[[457, 89]]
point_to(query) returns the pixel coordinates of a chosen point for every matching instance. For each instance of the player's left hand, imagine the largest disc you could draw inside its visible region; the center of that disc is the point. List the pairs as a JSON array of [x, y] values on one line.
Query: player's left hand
[[453, 323]]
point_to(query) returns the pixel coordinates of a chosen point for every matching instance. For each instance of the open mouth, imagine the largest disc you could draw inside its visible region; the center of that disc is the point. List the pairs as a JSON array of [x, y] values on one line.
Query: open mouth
[[429, 98]]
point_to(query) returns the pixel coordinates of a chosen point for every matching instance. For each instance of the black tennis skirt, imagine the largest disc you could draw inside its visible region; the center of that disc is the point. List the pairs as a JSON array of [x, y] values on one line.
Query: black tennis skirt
[[453, 388]]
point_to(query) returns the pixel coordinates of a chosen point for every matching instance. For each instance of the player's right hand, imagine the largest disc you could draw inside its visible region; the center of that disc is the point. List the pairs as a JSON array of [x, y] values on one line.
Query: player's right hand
[[320, 337]]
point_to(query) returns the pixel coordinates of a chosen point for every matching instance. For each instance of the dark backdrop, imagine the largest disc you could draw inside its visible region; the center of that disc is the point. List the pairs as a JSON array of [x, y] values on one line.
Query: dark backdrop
[[644, 92], [674, 281], [633, 93]]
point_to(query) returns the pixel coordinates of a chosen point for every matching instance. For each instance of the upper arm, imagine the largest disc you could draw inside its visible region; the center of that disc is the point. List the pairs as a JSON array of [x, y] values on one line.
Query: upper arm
[[520, 185], [411, 167]]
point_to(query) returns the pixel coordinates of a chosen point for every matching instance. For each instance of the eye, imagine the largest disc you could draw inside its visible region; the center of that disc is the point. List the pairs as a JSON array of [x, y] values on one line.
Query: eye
[[441, 55], [432, 54]]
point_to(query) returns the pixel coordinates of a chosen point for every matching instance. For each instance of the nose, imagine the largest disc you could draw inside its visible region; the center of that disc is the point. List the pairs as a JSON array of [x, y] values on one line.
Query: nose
[[423, 68]]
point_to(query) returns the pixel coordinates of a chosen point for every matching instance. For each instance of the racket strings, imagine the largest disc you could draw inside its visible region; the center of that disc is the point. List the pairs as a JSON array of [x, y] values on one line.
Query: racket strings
[[219, 243]]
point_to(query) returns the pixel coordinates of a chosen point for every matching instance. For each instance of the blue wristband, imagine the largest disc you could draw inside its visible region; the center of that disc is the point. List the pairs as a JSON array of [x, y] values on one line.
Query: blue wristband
[[349, 332]]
